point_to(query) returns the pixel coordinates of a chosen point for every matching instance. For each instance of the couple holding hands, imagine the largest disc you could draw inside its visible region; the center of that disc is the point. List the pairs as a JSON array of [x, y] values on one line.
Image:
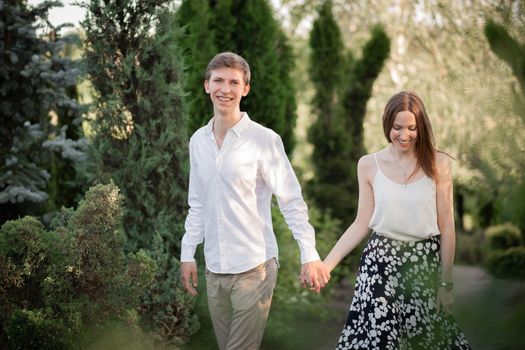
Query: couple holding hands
[[404, 288]]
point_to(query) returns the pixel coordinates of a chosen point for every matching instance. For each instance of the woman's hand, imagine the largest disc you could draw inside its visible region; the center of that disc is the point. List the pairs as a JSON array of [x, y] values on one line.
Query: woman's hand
[[445, 300]]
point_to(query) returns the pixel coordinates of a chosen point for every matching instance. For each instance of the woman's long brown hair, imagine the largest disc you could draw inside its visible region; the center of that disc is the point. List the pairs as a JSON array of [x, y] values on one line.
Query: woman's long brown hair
[[425, 143]]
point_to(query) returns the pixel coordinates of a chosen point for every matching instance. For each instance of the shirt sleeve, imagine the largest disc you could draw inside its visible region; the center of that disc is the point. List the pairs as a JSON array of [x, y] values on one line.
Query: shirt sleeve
[[280, 178], [194, 224]]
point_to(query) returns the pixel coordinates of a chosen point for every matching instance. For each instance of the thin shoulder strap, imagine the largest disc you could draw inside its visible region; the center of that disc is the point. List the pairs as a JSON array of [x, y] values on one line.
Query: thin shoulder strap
[[375, 157]]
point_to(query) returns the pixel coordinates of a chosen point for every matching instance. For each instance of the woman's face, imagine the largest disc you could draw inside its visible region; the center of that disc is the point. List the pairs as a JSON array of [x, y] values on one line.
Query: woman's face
[[404, 131]]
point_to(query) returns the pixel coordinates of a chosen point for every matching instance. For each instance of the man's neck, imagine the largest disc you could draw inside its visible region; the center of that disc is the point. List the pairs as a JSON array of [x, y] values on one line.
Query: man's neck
[[225, 121]]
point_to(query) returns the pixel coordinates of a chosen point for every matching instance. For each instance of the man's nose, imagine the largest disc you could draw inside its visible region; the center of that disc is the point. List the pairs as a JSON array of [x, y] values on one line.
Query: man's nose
[[226, 87]]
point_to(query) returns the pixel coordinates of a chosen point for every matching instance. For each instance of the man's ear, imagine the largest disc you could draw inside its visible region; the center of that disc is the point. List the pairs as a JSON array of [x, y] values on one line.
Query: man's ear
[[206, 86], [246, 89]]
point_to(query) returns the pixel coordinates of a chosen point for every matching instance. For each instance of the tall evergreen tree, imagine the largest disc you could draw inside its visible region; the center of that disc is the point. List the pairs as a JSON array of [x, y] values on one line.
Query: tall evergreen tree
[[249, 29], [35, 109], [199, 45], [342, 89], [140, 140]]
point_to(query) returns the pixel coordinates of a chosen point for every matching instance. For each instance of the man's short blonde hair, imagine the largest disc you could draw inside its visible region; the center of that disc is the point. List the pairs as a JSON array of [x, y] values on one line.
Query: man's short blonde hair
[[229, 60]]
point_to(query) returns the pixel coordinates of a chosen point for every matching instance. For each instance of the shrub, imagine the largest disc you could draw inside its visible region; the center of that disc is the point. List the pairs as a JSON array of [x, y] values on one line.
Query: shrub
[[33, 329], [24, 258], [55, 285], [167, 310], [508, 263], [470, 248], [504, 236]]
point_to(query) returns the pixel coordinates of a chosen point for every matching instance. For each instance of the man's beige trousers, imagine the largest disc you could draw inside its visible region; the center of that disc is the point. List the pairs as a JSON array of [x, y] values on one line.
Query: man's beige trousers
[[239, 305]]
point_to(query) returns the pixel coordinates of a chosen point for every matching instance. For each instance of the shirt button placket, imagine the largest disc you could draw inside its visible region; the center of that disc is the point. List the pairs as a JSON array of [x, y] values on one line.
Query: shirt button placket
[[218, 208]]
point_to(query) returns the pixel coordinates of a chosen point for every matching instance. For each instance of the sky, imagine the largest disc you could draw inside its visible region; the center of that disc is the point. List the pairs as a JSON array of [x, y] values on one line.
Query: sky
[[74, 14], [68, 13]]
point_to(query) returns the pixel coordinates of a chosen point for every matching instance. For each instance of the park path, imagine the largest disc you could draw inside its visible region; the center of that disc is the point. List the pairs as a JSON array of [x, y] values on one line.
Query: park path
[[483, 308]]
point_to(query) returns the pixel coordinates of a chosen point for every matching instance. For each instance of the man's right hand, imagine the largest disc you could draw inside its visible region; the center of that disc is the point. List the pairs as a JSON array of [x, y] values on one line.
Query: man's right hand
[[188, 275]]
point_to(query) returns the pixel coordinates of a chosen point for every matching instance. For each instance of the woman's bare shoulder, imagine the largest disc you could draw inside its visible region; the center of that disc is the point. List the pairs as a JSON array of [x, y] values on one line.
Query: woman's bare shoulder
[[443, 164]]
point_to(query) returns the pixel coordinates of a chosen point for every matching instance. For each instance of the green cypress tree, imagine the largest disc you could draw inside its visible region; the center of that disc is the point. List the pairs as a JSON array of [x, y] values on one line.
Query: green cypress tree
[[141, 140], [327, 65], [288, 89], [342, 89], [35, 108], [198, 42], [358, 91], [223, 24], [256, 37]]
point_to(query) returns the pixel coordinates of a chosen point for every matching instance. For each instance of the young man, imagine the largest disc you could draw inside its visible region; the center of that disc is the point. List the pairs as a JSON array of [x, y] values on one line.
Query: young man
[[235, 166]]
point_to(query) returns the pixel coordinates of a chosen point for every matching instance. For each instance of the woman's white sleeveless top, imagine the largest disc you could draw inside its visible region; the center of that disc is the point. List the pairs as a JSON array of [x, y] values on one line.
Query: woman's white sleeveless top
[[404, 212]]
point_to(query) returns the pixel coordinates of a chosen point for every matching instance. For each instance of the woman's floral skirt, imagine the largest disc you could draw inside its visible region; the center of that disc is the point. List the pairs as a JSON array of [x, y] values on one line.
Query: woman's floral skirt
[[394, 305]]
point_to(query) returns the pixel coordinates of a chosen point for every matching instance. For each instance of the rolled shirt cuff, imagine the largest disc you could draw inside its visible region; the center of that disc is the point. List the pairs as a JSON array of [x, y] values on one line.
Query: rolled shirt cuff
[[187, 253], [309, 256]]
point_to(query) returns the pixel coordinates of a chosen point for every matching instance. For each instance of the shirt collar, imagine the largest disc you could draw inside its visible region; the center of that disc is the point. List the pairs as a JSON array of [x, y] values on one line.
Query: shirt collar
[[237, 129]]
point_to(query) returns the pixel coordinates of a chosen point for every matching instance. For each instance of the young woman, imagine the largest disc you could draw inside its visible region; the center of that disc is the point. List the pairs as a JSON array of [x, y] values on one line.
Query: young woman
[[404, 290]]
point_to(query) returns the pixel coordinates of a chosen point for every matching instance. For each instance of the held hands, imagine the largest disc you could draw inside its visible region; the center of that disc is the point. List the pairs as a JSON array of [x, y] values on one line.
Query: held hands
[[188, 275], [315, 275]]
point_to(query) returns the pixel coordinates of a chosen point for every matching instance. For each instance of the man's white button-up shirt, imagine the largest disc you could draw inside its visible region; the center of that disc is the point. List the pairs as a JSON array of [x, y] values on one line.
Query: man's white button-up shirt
[[230, 194]]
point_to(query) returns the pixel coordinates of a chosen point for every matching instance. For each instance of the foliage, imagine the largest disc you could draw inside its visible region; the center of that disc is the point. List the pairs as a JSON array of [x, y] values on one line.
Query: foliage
[[55, 285], [199, 46], [249, 29], [511, 206], [39, 117], [140, 142], [32, 329], [140, 137], [510, 203], [507, 49], [342, 89], [509, 263], [502, 237], [470, 248], [169, 312]]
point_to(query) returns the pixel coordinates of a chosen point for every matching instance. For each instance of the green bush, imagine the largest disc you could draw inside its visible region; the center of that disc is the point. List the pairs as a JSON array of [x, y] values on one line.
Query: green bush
[[33, 329], [167, 310], [56, 285], [508, 263], [502, 237], [470, 248]]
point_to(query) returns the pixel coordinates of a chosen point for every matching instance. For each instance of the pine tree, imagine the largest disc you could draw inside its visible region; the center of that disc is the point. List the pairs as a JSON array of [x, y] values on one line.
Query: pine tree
[[342, 89], [141, 139], [249, 29], [36, 110]]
